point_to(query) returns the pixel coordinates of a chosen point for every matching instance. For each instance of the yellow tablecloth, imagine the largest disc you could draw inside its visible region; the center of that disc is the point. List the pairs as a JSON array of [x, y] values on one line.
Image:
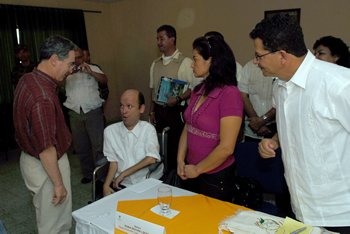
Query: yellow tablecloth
[[198, 213]]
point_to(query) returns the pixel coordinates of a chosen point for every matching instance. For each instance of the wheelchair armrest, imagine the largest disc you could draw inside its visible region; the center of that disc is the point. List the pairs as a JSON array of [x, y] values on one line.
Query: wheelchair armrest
[[153, 167]]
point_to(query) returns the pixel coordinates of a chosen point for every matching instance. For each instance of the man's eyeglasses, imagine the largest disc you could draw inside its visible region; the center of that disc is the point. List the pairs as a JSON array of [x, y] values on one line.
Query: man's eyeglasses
[[260, 56], [72, 65]]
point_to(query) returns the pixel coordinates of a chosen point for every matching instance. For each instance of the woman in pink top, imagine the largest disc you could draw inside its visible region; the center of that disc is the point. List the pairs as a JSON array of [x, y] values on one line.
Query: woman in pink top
[[213, 120]]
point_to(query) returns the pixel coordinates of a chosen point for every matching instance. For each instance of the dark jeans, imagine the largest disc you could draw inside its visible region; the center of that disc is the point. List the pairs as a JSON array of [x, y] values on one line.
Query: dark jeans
[[219, 185], [272, 127], [250, 139], [170, 117]]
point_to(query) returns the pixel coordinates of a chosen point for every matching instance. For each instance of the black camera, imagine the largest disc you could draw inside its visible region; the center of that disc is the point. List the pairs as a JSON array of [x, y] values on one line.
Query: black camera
[[77, 69]]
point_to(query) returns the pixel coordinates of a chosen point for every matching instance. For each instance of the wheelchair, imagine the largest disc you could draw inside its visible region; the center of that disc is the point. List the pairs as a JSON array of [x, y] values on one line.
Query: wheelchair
[[100, 172]]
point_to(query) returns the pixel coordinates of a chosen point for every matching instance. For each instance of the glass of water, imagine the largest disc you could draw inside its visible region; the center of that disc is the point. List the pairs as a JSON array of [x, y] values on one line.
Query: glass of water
[[165, 197]]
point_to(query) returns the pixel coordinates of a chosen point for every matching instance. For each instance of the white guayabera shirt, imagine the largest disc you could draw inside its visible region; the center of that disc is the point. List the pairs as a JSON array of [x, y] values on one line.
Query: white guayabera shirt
[[313, 120]]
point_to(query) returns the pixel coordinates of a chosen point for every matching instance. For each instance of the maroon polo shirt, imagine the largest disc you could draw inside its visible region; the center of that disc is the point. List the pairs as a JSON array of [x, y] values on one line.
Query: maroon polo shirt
[[37, 115]]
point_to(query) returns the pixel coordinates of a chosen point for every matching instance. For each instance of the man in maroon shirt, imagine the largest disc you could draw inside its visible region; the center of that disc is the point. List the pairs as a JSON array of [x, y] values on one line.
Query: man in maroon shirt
[[43, 136]]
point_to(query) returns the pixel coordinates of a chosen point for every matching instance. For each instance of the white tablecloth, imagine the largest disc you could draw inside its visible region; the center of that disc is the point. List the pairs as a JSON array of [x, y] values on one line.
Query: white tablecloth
[[99, 217]]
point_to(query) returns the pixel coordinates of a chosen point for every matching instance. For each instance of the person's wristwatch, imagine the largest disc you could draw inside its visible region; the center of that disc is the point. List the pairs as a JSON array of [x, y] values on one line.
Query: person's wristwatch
[[266, 120]]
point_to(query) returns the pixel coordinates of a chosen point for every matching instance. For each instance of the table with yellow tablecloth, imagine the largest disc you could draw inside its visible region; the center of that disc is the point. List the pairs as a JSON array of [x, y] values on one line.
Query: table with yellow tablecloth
[[195, 210], [198, 213]]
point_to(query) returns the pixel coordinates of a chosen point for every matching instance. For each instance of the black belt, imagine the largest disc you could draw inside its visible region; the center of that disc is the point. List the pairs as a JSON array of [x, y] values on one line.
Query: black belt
[[163, 106]]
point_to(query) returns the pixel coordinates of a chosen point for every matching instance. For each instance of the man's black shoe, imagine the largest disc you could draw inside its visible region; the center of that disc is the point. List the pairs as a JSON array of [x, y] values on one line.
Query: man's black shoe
[[85, 180]]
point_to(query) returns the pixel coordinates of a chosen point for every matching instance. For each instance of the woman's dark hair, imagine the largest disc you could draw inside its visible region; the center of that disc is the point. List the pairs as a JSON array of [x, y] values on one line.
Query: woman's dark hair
[[222, 70], [337, 47]]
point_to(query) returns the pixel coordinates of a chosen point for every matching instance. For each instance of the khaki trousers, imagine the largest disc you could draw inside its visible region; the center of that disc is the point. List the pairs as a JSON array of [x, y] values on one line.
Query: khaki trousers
[[49, 218]]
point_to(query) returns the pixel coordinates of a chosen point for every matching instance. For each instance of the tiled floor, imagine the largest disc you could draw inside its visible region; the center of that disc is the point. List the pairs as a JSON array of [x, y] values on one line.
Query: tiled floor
[[16, 209]]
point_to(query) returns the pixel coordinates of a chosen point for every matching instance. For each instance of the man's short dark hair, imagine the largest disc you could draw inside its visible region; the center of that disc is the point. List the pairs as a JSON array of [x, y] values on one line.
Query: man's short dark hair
[[169, 30], [280, 32], [20, 47], [141, 100], [214, 34], [56, 45], [88, 53]]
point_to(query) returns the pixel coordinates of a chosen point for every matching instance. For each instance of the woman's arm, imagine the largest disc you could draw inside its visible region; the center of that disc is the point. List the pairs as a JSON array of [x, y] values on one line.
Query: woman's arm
[[229, 129], [181, 153]]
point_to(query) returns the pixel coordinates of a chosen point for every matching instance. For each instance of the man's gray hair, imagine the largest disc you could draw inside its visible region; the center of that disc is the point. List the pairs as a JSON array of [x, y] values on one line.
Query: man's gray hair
[[56, 45]]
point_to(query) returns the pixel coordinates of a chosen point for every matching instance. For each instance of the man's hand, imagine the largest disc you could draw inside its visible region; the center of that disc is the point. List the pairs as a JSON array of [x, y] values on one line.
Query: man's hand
[[267, 148], [107, 191], [263, 131], [117, 181], [50, 163], [171, 101], [152, 119], [60, 194], [256, 123], [86, 68], [181, 170], [190, 171]]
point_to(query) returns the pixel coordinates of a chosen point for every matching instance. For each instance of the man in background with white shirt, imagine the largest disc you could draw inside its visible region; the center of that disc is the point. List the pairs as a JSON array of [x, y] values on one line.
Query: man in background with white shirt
[[130, 146], [312, 114], [85, 114], [256, 92], [174, 65]]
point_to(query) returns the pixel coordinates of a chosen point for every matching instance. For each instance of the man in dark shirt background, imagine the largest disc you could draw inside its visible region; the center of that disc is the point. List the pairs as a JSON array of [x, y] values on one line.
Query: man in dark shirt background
[[25, 66]]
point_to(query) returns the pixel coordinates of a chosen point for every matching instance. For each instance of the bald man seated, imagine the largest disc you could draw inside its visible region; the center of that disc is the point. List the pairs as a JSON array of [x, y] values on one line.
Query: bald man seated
[[130, 146]]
